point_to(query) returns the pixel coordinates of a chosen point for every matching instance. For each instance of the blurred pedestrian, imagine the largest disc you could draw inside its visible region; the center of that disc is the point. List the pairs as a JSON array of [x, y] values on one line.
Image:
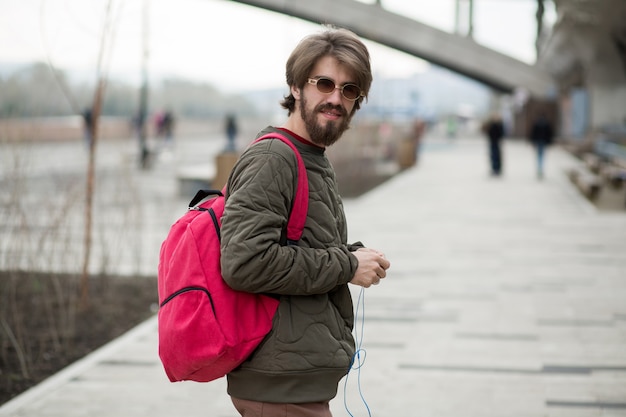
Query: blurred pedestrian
[[231, 132], [88, 127], [494, 130], [541, 136], [417, 132], [157, 121], [167, 127]]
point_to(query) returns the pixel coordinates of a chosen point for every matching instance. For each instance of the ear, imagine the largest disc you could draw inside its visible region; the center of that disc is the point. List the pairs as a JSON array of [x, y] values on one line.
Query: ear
[[295, 92]]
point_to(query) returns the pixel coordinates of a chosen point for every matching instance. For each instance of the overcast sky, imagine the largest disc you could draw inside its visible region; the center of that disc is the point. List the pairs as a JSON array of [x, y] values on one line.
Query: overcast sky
[[230, 45]]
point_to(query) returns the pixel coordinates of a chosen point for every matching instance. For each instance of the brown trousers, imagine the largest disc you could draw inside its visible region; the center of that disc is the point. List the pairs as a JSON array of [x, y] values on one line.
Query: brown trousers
[[259, 409]]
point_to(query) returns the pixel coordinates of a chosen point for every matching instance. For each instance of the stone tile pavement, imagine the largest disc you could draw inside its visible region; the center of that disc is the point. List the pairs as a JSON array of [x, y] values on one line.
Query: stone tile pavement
[[506, 298]]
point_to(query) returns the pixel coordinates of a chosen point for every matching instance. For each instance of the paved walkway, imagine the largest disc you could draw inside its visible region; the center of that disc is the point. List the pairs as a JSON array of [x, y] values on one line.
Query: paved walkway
[[506, 297]]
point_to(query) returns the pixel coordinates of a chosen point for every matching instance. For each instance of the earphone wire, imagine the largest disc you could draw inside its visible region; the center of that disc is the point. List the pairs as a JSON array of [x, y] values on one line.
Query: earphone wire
[[358, 359]]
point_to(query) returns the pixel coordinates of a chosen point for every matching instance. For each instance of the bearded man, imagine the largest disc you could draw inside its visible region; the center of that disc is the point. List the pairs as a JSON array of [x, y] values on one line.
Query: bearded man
[[296, 369]]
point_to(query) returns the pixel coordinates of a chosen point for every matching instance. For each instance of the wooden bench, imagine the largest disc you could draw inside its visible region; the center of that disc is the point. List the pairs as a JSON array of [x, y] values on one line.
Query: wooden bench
[[614, 175], [588, 183], [593, 162]]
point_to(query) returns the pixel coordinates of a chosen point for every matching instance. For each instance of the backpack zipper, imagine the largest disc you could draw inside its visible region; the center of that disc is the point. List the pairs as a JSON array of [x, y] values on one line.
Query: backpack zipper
[[187, 289]]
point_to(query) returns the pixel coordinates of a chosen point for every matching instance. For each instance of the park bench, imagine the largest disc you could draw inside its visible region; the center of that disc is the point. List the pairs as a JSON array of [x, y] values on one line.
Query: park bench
[[588, 183]]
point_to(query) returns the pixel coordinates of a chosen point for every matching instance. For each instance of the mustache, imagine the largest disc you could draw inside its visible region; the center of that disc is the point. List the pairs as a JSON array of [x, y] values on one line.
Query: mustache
[[328, 106]]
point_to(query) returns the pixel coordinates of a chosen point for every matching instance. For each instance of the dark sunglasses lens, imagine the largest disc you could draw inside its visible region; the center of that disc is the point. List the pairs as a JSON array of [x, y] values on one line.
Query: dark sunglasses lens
[[325, 85], [351, 91]]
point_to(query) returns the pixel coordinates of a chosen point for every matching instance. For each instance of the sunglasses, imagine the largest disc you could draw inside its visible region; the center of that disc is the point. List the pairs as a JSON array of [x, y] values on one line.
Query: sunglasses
[[350, 92]]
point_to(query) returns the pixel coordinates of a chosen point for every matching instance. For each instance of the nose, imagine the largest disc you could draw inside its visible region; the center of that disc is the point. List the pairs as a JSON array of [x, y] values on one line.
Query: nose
[[335, 96]]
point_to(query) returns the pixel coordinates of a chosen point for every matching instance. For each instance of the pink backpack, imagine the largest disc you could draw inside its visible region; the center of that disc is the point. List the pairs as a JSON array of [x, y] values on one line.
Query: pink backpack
[[206, 329]]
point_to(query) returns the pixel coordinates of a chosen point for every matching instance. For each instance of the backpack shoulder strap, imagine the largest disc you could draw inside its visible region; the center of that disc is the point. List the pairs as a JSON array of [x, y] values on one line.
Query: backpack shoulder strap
[[297, 217]]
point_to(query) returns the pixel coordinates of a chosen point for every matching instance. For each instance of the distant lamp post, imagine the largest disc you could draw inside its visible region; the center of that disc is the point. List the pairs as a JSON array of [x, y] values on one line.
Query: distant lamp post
[[539, 16], [144, 152], [470, 18]]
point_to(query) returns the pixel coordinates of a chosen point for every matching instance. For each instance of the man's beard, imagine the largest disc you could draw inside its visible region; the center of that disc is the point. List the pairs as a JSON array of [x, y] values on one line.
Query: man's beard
[[324, 135]]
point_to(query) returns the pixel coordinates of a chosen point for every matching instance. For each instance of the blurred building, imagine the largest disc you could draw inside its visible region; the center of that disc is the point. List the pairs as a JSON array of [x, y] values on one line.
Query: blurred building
[[585, 53]]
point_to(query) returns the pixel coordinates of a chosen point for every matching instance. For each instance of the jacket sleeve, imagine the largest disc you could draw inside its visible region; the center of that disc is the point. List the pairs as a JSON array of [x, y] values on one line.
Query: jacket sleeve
[[260, 192]]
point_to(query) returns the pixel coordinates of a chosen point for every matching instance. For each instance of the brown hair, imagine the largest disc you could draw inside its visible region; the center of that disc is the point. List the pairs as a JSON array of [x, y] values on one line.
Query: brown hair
[[339, 43]]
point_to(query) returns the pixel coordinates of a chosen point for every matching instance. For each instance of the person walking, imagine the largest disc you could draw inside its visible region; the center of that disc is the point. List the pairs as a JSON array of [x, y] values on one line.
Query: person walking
[[231, 132], [167, 128], [541, 136], [494, 129], [296, 369], [88, 127]]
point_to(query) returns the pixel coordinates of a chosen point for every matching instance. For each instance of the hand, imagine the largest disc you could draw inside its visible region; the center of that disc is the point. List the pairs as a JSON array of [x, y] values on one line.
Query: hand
[[371, 269]]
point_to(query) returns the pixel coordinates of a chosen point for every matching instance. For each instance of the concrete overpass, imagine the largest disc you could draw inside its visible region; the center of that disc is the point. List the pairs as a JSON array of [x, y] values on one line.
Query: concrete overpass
[[457, 53]]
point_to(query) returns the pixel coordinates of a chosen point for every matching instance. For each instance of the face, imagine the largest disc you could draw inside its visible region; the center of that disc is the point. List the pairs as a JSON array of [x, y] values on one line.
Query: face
[[325, 116]]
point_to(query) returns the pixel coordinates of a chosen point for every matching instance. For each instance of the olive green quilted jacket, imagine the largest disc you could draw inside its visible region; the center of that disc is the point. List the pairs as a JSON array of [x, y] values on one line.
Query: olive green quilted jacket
[[310, 346]]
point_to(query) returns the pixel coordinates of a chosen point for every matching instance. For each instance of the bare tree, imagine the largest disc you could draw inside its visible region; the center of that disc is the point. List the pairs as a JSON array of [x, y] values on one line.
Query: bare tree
[[106, 45], [91, 118]]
